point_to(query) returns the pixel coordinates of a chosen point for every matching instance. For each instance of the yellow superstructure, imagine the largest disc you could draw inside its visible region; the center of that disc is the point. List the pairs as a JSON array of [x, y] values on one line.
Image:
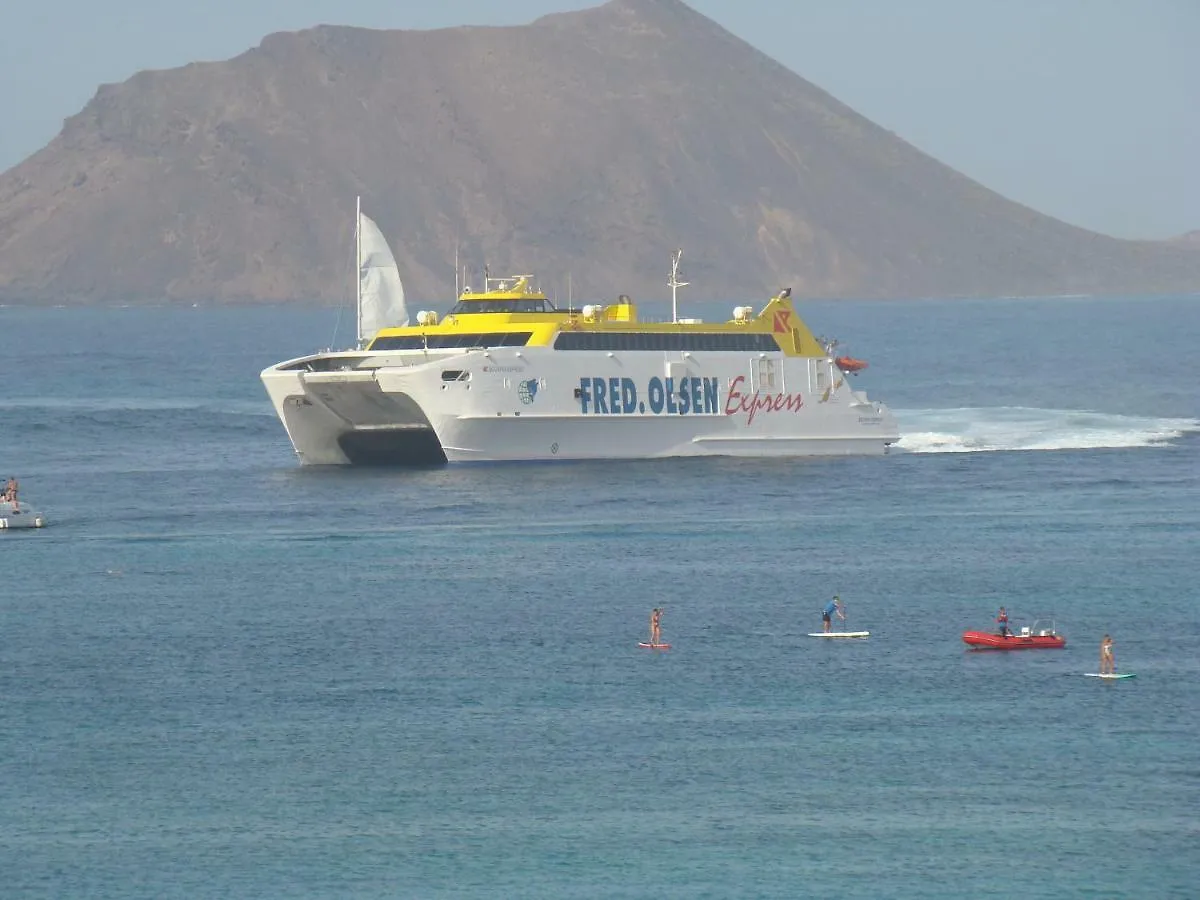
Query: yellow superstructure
[[511, 306]]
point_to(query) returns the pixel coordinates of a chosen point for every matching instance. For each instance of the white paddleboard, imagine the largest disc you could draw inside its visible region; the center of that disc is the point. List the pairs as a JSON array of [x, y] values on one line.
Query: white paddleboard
[[1112, 676], [840, 634]]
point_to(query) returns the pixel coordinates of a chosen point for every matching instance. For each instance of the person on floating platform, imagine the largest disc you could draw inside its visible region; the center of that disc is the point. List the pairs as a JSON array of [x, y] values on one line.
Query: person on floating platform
[[832, 607], [1108, 662], [656, 625]]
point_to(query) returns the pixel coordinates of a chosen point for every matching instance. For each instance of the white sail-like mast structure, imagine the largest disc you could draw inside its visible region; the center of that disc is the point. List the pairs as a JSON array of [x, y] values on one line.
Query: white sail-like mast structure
[[380, 293]]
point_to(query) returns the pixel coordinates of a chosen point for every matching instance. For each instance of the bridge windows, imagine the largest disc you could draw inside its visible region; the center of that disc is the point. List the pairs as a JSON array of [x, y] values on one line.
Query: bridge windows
[[448, 341], [743, 341]]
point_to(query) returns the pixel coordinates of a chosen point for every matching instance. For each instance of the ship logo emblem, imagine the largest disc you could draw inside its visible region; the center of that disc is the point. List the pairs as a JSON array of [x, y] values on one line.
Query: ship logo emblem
[[527, 390]]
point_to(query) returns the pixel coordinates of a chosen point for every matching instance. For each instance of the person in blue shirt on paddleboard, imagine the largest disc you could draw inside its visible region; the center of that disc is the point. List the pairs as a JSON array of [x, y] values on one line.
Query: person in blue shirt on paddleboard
[[834, 605]]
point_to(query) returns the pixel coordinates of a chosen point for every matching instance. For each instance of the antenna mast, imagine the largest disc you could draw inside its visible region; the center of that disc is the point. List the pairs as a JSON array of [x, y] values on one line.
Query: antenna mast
[[675, 283], [358, 270]]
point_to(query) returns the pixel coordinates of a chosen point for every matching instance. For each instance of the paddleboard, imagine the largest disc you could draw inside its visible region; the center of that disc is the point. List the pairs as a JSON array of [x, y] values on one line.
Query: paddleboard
[[654, 646], [840, 634], [1112, 676]]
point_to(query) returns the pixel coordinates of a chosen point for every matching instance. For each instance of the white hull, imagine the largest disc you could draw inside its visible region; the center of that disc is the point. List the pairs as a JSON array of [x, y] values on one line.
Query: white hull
[[839, 634], [20, 516], [537, 403]]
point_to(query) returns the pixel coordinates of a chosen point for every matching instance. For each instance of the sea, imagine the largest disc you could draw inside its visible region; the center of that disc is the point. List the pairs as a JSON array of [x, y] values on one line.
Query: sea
[[226, 675]]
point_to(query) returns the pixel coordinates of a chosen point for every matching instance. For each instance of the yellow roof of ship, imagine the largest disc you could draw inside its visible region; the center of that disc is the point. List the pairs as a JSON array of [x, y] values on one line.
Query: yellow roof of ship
[[513, 305]]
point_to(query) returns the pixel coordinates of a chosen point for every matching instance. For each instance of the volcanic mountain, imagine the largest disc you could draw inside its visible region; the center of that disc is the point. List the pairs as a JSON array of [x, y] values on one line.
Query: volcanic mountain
[[585, 145]]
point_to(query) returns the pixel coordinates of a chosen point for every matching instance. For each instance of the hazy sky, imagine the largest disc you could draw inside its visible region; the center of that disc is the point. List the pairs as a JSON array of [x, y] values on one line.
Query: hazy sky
[[1088, 110]]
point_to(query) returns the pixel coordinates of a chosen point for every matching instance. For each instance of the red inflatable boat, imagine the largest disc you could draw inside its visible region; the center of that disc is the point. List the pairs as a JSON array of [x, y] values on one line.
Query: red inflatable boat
[[1024, 639]]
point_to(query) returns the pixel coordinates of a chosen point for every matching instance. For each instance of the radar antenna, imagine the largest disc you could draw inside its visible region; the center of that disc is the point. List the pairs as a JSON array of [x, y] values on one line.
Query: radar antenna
[[675, 284]]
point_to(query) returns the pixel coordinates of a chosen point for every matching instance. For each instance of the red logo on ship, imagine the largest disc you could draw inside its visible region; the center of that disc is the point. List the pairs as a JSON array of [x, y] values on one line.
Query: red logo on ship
[[753, 404]]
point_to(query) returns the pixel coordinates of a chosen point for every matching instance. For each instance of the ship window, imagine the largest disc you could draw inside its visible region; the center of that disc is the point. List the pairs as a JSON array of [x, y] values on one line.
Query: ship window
[[512, 339], [398, 342], [665, 341], [526, 305], [451, 341], [766, 375]]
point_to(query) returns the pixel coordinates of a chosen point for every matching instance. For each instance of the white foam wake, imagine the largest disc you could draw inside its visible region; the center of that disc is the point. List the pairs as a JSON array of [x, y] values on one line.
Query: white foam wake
[[983, 429]]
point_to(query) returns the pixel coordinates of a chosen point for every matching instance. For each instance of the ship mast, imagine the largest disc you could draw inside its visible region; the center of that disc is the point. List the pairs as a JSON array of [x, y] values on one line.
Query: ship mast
[[675, 284], [358, 271]]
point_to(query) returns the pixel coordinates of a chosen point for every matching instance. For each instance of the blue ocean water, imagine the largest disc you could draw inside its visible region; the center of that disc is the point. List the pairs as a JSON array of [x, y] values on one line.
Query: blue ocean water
[[222, 675]]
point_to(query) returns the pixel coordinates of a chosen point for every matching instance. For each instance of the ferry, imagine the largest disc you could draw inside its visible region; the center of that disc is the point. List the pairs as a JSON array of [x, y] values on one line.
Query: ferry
[[507, 375]]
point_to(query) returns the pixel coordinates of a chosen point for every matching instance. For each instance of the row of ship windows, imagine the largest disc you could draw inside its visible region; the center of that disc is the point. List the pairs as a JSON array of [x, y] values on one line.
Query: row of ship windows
[[502, 306], [661, 340], [445, 341], [586, 340]]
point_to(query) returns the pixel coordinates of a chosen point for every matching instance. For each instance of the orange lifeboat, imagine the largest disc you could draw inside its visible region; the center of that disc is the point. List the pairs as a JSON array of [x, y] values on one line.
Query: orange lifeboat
[[850, 364]]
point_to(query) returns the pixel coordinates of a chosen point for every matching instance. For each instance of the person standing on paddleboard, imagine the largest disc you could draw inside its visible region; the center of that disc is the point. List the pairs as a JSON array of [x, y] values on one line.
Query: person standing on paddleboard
[[1108, 663], [656, 625], [834, 605]]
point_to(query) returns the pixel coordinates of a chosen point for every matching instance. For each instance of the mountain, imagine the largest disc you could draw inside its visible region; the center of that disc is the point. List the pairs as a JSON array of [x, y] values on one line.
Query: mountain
[[590, 143]]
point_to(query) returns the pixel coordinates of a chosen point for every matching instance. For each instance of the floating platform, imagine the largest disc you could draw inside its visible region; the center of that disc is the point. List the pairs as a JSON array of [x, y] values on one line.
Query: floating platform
[[21, 515], [840, 634]]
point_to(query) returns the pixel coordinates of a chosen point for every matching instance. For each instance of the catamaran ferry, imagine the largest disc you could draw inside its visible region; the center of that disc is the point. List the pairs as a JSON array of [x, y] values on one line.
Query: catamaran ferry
[[506, 375]]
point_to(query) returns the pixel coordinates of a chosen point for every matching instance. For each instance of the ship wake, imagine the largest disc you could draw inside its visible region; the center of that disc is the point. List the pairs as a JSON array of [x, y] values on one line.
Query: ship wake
[[984, 429]]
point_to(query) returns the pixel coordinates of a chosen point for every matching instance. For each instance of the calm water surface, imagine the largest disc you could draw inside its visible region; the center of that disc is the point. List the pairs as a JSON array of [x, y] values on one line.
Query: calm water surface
[[223, 675]]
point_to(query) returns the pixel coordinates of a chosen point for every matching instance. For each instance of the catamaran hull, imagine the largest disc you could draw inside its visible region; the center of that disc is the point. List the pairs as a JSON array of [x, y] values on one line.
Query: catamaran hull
[[351, 422], [531, 439], [394, 409]]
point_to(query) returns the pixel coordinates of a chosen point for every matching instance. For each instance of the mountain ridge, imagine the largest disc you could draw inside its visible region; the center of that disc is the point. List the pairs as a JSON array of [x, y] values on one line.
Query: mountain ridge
[[589, 143]]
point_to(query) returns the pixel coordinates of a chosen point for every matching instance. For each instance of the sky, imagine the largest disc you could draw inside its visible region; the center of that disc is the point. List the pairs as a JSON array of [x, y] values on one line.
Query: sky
[[1086, 110]]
